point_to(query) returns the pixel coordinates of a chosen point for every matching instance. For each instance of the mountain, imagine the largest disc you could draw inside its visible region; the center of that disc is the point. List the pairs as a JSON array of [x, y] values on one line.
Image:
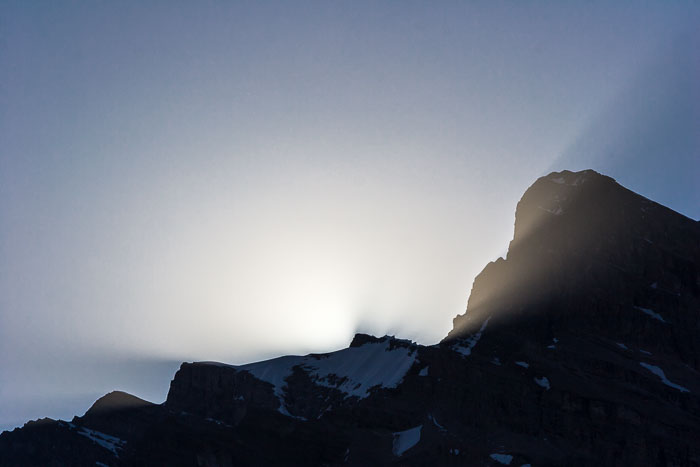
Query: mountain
[[581, 347]]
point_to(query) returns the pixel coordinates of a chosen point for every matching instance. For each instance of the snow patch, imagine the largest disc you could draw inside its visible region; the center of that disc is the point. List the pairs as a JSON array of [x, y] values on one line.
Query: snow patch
[[504, 459], [356, 370], [109, 442], [275, 372], [471, 341], [496, 361], [660, 373], [423, 372], [435, 422], [544, 382], [621, 345], [405, 440], [523, 364], [353, 371], [645, 352], [651, 313]]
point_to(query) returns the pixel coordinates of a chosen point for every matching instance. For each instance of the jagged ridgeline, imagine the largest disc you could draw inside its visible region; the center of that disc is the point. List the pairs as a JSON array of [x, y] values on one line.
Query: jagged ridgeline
[[581, 347]]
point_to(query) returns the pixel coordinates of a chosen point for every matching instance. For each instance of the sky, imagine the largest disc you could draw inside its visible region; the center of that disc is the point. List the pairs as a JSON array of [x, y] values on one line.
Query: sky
[[234, 181]]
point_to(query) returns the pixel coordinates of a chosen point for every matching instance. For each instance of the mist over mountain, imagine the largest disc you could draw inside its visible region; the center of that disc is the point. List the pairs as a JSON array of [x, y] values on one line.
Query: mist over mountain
[[580, 347]]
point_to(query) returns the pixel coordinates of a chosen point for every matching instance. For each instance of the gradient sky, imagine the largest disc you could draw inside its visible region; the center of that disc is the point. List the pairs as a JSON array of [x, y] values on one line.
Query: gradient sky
[[236, 180]]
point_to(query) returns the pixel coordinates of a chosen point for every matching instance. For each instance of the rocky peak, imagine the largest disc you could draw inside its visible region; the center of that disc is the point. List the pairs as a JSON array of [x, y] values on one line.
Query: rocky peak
[[116, 401], [589, 254], [361, 339]]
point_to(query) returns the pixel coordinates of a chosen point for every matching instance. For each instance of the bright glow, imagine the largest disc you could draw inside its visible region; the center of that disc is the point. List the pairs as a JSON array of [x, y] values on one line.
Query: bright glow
[[237, 181]]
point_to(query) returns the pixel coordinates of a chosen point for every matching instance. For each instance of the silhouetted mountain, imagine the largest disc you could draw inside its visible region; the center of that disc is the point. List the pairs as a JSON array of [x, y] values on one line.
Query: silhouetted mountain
[[582, 347]]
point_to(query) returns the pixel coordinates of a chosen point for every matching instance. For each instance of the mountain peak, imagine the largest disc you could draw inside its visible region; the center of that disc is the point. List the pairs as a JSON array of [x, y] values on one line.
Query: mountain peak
[[579, 233], [581, 347], [567, 177], [116, 401]]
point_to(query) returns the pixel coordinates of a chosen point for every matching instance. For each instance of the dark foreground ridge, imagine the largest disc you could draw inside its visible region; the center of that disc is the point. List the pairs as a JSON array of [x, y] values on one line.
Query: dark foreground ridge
[[582, 347]]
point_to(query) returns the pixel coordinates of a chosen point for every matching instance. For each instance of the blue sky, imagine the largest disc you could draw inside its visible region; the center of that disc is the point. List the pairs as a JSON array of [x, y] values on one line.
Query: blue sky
[[232, 181]]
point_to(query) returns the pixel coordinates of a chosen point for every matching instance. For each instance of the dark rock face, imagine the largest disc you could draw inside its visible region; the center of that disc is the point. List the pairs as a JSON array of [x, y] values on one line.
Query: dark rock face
[[114, 402], [582, 347], [589, 253]]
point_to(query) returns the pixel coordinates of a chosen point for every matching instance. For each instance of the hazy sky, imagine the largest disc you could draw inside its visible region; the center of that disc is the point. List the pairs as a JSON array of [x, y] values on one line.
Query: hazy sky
[[232, 181]]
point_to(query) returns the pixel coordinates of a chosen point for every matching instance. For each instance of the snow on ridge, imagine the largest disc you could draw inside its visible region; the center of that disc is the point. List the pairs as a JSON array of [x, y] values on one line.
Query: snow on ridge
[[651, 313], [362, 368], [405, 440], [660, 373], [109, 442], [504, 459], [275, 372], [354, 370], [471, 341]]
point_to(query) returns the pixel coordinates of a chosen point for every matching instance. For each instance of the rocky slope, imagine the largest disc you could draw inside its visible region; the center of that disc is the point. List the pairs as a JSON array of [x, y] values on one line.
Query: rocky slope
[[581, 347]]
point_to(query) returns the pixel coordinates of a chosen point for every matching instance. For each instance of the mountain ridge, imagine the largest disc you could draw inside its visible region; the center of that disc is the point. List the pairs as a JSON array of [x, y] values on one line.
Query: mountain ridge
[[580, 347]]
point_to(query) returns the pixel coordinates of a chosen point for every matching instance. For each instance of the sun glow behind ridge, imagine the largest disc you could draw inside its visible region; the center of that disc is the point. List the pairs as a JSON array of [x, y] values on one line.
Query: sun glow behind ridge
[[238, 181]]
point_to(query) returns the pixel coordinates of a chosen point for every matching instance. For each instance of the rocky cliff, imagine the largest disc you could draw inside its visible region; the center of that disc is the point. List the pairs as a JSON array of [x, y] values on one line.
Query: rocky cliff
[[581, 347]]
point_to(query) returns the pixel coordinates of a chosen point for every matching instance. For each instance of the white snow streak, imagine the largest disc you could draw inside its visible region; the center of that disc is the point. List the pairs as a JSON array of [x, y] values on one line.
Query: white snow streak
[[471, 341], [435, 422], [109, 442], [504, 459], [651, 313], [660, 373], [405, 440]]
